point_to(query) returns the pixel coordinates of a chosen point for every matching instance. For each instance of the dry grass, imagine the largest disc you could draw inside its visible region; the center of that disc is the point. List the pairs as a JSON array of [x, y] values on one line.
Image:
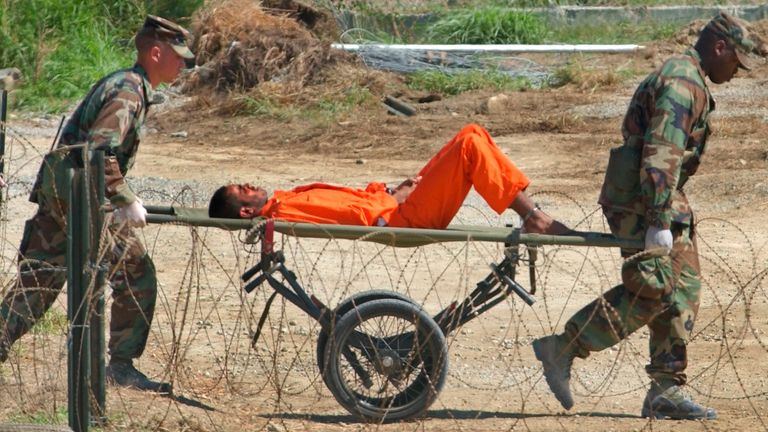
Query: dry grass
[[240, 46], [251, 56]]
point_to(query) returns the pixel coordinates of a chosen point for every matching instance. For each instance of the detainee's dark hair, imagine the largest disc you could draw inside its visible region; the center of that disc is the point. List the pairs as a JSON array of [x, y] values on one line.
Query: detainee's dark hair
[[224, 205]]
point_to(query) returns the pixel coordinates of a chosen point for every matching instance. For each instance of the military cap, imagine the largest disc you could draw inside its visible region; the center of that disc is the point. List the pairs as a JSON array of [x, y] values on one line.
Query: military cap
[[734, 31], [161, 29]]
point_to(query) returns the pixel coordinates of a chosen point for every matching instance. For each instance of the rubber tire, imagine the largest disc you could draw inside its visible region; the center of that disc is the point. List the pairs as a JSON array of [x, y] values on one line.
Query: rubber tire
[[345, 306], [417, 397]]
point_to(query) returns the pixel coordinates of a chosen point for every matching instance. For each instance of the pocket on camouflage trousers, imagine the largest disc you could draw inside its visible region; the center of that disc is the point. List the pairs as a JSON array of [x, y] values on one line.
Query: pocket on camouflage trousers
[[649, 278], [26, 237], [622, 176]]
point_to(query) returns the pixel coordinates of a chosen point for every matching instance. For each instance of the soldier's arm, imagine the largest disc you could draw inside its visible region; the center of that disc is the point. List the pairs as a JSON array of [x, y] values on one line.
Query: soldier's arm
[[115, 119], [665, 142]]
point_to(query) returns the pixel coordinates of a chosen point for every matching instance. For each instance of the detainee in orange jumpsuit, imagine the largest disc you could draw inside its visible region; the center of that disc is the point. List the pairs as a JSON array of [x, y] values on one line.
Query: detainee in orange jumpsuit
[[429, 200]]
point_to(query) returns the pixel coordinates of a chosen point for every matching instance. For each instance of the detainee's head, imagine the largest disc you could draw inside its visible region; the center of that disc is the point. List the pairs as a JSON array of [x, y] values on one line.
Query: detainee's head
[[237, 201], [724, 46], [162, 49]]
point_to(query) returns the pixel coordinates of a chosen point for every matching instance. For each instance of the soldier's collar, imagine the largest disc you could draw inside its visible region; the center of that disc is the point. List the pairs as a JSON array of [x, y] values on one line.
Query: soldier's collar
[[149, 94], [697, 57]]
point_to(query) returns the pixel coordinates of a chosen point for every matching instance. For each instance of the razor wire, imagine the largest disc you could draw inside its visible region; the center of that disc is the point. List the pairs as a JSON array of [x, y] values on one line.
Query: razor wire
[[201, 337], [408, 61]]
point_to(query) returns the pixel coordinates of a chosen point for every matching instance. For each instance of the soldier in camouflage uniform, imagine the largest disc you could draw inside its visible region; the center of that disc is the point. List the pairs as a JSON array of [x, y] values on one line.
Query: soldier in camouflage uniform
[[665, 133], [110, 117]]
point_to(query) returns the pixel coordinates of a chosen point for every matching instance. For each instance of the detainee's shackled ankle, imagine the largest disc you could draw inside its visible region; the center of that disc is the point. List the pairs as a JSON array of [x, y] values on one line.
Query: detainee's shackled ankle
[[530, 215]]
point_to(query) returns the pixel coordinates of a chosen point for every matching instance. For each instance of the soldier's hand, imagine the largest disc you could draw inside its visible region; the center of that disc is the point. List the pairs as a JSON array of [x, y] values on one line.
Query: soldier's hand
[[2, 182], [658, 238], [134, 214]]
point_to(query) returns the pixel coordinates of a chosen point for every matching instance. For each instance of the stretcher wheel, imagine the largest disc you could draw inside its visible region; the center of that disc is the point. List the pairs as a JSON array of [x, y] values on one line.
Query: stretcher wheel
[[387, 360], [347, 305]]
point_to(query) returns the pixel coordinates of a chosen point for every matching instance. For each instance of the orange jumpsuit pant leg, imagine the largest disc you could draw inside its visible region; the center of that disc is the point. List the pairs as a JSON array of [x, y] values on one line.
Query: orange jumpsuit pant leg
[[471, 158]]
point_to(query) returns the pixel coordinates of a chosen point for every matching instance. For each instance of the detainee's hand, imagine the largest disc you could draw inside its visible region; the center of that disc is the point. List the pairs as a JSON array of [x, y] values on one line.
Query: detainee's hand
[[134, 214], [405, 188], [542, 223]]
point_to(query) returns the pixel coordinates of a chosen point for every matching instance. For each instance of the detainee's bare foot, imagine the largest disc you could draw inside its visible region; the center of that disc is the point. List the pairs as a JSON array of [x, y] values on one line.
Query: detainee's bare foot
[[542, 223]]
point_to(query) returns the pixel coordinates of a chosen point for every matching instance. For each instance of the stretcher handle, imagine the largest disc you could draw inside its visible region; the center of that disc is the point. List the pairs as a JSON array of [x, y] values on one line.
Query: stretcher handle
[[514, 286]]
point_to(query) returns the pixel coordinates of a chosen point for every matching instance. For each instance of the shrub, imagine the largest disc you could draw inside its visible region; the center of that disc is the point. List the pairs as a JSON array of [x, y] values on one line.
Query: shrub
[[63, 46], [490, 25], [613, 33], [453, 84]]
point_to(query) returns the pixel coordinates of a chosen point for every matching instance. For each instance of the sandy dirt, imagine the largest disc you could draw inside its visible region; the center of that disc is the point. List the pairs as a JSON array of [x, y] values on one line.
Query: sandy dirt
[[559, 137]]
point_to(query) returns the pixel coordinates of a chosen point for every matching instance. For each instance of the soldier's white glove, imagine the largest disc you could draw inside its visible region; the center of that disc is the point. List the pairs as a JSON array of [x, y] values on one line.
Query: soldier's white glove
[[658, 238], [134, 213]]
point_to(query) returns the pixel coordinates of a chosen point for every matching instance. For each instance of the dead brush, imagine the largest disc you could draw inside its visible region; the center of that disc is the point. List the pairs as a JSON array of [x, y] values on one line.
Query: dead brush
[[241, 46], [341, 86], [272, 66], [585, 78]]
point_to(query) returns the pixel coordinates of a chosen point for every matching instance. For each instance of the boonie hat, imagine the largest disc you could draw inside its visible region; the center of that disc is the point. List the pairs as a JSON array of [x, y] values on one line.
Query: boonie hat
[[734, 31], [167, 31]]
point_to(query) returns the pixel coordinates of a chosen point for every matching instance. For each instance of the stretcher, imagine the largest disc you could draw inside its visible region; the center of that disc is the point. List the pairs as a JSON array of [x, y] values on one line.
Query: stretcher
[[379, 353]]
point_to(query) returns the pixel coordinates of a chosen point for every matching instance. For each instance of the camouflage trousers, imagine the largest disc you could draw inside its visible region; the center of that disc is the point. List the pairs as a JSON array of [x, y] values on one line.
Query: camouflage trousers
[[660, 292], [42, 274]]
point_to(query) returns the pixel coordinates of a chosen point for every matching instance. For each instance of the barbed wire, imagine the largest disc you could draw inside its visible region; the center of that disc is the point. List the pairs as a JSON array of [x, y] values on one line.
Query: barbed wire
[[204, 323]]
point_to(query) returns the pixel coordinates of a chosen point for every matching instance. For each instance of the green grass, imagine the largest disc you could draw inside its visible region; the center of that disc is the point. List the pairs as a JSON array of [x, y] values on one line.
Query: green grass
[[54, 322], [335, 105], [328, 107], [620, 33], [488, 25], [57, 417], [453, 84], [425, 6], [64, 46]]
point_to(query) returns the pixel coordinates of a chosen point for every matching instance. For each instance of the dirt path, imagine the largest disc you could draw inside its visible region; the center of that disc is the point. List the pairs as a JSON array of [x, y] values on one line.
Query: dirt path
[[560, 138]]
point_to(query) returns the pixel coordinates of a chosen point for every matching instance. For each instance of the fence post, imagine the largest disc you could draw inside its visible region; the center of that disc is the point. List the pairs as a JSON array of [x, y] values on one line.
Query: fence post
[[98, 366], [3, 115], [8, 78], [77, 305]]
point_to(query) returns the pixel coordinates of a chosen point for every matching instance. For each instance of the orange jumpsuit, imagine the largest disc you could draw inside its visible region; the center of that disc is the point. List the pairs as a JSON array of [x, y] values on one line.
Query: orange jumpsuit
[[471, 158]]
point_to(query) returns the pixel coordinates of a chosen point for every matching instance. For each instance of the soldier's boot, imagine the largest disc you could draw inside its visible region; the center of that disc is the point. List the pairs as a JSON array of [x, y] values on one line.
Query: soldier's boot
[[122, 373], [666, 400], [557, 358], [5, 347]]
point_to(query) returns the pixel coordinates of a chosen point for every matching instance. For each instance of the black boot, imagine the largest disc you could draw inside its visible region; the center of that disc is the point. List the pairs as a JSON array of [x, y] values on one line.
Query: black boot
[[556, 358], [668, 400], [123, 373], [5, 347]]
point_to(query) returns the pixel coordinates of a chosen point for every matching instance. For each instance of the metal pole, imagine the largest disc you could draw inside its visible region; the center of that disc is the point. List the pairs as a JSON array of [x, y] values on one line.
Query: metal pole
[[8, 78], [98, 366], [400, 237], [491, 48], [3, 115], [77, 307]]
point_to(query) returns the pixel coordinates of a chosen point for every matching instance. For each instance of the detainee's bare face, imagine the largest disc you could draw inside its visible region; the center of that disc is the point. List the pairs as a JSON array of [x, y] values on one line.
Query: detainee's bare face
[[253, 197]]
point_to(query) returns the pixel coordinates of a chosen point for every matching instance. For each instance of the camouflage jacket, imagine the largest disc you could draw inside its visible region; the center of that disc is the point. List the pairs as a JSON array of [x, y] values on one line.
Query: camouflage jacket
[[110, 117], [665, 132]]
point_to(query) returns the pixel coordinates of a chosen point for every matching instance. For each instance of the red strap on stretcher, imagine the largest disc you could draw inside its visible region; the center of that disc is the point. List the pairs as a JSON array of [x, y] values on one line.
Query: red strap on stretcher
[[268, 240]]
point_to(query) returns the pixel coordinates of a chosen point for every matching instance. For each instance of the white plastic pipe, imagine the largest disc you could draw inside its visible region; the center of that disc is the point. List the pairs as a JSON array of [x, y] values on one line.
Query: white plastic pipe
[[495, 48]]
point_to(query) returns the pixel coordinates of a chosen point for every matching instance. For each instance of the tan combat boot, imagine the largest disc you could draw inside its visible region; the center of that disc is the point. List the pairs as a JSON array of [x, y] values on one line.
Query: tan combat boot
[[667, 400], [556, 357]]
